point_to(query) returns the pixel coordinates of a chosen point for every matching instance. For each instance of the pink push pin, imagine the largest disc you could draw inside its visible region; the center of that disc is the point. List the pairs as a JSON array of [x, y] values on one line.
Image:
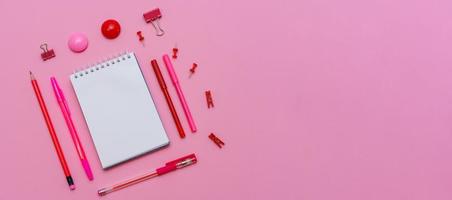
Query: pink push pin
[[78, 42]]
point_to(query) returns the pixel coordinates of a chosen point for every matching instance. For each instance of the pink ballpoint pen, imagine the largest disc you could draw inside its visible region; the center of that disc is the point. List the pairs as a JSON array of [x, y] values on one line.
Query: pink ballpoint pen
[[67, 117], [175, 81]]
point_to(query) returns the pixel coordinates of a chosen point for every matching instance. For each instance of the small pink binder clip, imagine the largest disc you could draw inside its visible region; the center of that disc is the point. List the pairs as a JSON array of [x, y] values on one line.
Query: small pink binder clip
[[154, 16], [47, 54]]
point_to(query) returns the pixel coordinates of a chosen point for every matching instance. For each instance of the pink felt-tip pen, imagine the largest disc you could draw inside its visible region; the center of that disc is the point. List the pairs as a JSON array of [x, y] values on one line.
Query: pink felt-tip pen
[[175, 81], [67, 117]]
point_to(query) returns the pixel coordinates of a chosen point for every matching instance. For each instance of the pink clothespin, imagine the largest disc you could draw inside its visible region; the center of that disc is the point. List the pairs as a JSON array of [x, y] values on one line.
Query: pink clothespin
[[216, 140], [209, 99], [175, 50]]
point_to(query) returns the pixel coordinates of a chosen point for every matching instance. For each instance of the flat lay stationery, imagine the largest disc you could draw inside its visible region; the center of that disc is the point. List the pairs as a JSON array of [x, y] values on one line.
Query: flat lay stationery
[[118, 106]]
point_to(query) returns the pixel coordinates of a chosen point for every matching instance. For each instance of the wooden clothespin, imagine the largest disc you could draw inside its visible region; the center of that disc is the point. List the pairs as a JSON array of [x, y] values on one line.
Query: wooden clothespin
[[216, 140]]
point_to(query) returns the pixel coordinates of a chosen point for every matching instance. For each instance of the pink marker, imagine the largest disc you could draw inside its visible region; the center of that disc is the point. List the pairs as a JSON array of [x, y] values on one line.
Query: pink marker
[[175, 81], [67, 117]]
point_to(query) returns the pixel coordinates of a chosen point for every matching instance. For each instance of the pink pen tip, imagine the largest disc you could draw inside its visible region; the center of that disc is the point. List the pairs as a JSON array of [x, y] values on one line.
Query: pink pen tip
[[72, 187], [87, 168]]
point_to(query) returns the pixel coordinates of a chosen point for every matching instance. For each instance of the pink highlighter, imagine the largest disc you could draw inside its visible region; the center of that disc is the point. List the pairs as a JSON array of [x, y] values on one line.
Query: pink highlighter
[[175, 81], [67, 117]]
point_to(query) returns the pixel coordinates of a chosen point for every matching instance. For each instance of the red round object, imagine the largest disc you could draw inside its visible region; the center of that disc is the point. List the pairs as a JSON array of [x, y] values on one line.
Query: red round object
[[111, 29]]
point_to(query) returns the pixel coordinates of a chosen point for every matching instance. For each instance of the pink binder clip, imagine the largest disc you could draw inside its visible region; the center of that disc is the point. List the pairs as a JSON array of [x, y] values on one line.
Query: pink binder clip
[[47, 54], [154, 16]]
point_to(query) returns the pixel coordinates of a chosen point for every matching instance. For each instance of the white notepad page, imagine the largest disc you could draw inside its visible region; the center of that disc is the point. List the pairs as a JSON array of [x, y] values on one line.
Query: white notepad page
[[119, 110]]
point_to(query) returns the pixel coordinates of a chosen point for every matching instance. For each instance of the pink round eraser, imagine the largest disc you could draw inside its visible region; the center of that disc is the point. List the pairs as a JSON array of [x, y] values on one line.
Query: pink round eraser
[[78, 42]]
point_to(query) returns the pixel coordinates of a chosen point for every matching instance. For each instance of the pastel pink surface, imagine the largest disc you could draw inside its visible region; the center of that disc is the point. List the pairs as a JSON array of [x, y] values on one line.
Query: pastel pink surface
[[314, 100]]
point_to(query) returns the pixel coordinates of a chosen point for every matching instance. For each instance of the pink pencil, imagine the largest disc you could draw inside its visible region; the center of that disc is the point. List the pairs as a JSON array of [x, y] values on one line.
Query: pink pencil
[[175, 81]]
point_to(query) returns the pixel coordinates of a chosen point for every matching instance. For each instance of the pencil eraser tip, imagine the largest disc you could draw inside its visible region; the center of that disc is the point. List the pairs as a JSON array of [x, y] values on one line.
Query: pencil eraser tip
[[72, 187]]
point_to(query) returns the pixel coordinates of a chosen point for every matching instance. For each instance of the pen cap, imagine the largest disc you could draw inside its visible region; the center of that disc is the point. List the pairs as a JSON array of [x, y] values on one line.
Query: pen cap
[[170, 68], [158, 74]]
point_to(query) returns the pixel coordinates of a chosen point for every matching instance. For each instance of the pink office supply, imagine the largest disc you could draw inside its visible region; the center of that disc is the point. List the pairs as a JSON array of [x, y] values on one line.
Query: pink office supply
[[175, 81], [153, 17], [77, 42], [47, 54], [67, 117]]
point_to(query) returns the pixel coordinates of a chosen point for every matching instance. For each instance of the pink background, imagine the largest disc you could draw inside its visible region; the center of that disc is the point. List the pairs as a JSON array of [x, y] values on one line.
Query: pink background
[[315, 99]]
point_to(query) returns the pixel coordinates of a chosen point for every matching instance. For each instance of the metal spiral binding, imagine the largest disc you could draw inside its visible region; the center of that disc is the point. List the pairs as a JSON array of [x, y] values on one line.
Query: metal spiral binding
[[105, 63]]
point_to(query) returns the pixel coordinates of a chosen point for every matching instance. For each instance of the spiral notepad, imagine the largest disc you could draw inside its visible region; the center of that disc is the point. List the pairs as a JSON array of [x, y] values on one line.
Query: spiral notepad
[[119, 110]]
